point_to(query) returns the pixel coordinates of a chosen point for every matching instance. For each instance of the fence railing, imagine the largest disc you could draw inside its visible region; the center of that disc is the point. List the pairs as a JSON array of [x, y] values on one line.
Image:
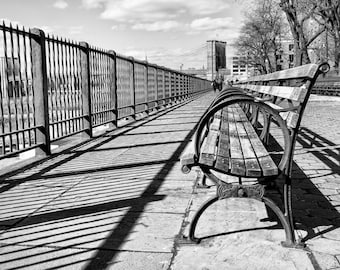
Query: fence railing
[[52, 88]]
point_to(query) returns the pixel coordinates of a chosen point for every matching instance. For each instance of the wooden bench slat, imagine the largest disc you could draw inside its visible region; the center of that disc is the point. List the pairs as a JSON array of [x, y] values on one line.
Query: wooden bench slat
[[236, 155], [286, 92], [290, 117], [305, 71], [215, 125], [252, 166], [223, 154], [267, 164], [207, 155]]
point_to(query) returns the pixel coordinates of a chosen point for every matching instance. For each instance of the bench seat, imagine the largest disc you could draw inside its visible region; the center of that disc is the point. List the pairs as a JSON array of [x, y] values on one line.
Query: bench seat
[[232, 146], [243, 131]]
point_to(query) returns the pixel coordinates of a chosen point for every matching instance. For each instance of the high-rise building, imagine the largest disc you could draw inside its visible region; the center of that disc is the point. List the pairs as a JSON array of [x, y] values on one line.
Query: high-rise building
[[216, 58]]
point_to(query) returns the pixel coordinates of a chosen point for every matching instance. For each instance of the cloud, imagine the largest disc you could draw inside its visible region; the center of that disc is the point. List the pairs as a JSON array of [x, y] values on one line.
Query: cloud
[[61, 4], [142, 11], [157, 26], [89, 4], [208, 23]]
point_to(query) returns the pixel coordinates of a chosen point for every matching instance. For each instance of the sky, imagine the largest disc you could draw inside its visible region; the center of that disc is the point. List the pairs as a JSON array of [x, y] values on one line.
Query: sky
[[171, 33]]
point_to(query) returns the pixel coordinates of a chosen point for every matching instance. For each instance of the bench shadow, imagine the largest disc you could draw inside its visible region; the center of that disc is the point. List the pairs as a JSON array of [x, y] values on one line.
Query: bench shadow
[[313, 209], [313, 204]]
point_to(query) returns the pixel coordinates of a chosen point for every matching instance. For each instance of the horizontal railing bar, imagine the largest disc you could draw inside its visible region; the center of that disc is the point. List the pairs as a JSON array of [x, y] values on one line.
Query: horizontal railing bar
[[16, 152], [19, 131], [68, 135], [104, 111], [67, 120], [19, 31], [103, 123], [63, 42]]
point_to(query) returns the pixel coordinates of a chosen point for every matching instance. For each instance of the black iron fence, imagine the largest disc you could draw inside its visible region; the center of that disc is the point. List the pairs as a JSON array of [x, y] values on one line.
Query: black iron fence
[[52, 88], [328, 85]]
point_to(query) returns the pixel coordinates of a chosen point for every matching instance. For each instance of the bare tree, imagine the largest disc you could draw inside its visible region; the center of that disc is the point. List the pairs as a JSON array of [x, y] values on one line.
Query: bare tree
[[260, 37], [329, 13], [299, 13]]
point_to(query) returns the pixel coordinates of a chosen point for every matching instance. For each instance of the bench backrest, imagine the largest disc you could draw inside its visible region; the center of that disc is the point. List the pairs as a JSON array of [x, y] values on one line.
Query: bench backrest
[[287, 91]]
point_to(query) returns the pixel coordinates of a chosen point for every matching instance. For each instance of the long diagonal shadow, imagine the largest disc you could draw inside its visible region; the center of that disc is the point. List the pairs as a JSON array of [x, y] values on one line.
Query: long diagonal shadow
[[102, 259]]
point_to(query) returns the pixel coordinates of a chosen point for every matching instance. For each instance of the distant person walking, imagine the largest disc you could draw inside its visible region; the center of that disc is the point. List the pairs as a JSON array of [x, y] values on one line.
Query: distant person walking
[[218, 83]]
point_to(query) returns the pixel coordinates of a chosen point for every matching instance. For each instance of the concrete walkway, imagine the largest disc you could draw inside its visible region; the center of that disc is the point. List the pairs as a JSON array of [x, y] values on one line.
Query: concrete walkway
[[121, 202]]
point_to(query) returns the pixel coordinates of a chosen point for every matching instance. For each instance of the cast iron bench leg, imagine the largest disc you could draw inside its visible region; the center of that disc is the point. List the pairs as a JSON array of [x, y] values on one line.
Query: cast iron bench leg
[[198, 215]]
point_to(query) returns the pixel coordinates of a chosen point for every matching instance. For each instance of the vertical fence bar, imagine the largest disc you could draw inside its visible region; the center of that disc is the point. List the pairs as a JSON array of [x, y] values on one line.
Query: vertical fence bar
[[8, 91], [146, 93], [164, 102], [113, 89], [86, 88], [187, 84], [40, 85], [133, 88], [156, 88]]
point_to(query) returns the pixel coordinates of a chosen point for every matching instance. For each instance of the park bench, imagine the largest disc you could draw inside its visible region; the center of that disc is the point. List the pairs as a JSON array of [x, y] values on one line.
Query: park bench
[[239, 135]]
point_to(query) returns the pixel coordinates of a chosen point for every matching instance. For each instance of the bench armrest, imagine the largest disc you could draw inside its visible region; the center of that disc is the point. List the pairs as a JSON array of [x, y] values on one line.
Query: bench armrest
[[187, 162]]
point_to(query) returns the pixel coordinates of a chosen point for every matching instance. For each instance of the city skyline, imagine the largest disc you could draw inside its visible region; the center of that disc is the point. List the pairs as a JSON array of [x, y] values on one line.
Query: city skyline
[[166, 33]]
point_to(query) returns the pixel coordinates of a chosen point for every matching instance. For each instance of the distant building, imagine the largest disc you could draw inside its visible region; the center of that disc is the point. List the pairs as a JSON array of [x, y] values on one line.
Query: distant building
[[286, 54], [216, 58], [239, 67]]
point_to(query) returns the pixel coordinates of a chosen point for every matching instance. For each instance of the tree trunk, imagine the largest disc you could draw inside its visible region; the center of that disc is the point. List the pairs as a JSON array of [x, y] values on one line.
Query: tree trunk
[[337, 56], [296, 26]]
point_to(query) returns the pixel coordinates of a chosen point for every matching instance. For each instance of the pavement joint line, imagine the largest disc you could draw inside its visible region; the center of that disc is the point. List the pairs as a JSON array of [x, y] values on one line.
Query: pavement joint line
[[179, 236]]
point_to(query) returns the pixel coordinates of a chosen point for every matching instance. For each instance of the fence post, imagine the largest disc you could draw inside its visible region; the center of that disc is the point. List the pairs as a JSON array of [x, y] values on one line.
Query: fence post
[[186, 86], [163, 83], [146, 93], [156, 88], [40, 88], [170, 87], [86, 88], [113, 89], [133, 88]]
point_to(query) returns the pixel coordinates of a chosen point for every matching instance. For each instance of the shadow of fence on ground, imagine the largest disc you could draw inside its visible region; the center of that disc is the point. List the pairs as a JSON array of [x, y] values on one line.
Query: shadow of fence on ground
[[67, 219], [314, 205]]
